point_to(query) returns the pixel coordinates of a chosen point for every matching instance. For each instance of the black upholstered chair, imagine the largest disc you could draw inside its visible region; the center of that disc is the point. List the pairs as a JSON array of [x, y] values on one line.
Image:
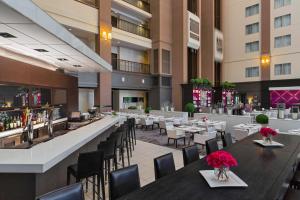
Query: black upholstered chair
[[109, 151], [211, 146], [164, 165], [71, 192], [226, 140], [190, 154], [123, 181], [89, 164], [292, 195]]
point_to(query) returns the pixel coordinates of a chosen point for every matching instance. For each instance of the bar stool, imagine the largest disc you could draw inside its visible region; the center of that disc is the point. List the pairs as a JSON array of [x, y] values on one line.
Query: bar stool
[[89, 165], [127, 137], [117, 136], [109, 151], [71, 192]]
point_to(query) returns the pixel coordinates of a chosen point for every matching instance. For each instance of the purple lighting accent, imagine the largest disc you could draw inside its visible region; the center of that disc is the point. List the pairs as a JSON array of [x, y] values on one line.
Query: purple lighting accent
[[289, 97]]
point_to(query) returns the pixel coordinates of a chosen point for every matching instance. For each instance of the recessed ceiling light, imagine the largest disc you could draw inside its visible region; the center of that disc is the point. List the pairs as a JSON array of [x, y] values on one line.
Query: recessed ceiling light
[[77, 66], [41, 50], [7, 35], [62, 59]]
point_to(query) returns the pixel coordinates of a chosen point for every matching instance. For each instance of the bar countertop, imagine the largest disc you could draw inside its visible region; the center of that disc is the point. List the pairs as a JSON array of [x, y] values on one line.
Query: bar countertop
[[43, 156]]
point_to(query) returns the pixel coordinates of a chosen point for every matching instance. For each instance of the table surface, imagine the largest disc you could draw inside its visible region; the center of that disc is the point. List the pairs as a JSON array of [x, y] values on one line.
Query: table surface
[[44, 156], [265, 170]]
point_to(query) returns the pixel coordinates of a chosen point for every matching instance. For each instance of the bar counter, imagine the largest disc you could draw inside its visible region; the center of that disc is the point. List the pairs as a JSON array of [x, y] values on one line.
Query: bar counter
[[27, 173]]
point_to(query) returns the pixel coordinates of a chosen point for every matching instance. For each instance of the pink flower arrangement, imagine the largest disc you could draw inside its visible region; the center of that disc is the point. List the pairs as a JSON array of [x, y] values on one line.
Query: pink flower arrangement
[[266, 132], [221, 159], [204, 119]]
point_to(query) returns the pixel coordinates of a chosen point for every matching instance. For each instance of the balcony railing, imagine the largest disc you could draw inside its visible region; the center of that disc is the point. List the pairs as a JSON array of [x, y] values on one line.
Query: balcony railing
[[129, 66], [130, 27], [141, 4], [92, 3]]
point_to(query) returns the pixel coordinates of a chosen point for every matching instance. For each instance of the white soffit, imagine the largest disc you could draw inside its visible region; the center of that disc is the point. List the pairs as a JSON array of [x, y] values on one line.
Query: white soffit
[[33, 33]]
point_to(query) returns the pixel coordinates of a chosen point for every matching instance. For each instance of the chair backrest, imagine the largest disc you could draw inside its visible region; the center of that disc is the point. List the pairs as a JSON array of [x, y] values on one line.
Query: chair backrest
[[211, 146], [162, 124], [71, 192], [108, 147], [117, 137], [164, 165], [226, 140], [123, 181], [190, 154], [90, 163]]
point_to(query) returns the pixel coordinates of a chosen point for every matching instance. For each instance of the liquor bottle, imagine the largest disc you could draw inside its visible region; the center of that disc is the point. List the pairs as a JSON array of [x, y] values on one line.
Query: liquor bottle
[[18, 122], [6, 124], [11, 123], [15, 122]]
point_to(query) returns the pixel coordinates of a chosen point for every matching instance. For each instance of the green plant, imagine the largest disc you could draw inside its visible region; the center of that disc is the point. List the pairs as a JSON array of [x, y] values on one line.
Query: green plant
[[193, 81], [132, 107], [262, 119], [199, 81], [114, 113], [190, 108], [147, 110], [228, 85]]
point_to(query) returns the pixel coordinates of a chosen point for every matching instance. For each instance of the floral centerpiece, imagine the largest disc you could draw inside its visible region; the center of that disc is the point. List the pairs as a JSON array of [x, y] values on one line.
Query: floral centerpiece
[[204, 119], [221, 161], [267, 134]]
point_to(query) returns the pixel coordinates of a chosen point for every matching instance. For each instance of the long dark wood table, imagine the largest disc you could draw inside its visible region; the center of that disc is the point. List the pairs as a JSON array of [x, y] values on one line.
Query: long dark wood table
[[267, 171]]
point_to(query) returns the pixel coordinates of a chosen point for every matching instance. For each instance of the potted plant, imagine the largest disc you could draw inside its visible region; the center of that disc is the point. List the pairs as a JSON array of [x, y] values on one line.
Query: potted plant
[[221, 161], [262, 119], [148, 109], [267, 134], [190, 108]]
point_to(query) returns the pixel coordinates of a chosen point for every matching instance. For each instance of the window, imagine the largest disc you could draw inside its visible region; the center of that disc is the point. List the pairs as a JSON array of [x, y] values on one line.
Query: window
[[166, 62], [252, 72], [155, 61], [252, 28], [192, 6], [281, 3], [283, 69], [252, 46], [252, 10], [282, 21], [283, 41]]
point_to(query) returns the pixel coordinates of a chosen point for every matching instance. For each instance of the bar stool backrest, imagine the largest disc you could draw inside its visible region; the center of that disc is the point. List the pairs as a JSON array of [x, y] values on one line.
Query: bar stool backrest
[[71, 192], [90, 163], [108, 147]]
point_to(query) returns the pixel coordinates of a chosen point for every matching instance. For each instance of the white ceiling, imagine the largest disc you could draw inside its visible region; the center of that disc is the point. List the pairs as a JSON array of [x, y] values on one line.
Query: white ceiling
[[30, 36]]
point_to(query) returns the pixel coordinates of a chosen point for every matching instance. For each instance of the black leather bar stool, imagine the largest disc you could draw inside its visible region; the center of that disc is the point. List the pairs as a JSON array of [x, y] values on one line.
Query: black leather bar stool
[[123, 181], [164, 165], [117, 136], [190, 154], [89, 165], [226, 139], [109, 151], [127, 137], [71, 192], [211, 146]]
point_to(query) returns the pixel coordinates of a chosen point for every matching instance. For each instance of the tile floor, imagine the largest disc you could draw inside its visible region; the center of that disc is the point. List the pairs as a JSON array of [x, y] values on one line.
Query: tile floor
[[143, 156]]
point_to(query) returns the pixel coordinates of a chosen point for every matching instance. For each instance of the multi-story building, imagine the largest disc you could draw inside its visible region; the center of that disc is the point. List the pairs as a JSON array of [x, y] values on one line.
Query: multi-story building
[[155, 48], [263, 57]]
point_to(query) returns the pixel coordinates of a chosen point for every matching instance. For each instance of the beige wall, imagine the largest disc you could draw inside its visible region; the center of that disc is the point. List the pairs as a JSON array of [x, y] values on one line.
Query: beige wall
[[286, 54], [71, 13], [233, 27]]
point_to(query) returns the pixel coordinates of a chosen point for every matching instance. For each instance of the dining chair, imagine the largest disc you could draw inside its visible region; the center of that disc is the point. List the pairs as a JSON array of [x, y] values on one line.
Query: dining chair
[[123, 181], [164, 165], [240, 134], [292, 194], [71, 192], [190, 154], [175, 134], [211, 146], [226, 140], [145, 123], [201, 139], [163, 125]]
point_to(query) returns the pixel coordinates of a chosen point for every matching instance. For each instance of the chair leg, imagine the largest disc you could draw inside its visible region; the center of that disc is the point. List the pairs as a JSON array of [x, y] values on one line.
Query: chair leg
[[68, 177], [94, 191], [86, 184], [175, 143], [122, 156], [116, 162], [168, 141], [105, 169], [102, 186]]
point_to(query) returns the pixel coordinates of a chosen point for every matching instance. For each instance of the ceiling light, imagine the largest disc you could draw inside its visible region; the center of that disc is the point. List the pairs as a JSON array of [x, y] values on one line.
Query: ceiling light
[[62, 59], [77, 66], [41, 50], [7, 35]]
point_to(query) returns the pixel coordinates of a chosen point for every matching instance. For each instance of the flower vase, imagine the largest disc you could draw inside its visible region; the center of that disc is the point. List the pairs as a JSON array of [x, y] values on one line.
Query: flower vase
[[268, 140], [221, 174]]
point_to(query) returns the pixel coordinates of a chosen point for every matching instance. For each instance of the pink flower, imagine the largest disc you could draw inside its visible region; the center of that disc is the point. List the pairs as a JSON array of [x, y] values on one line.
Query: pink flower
[[266, 132], [220, 159]]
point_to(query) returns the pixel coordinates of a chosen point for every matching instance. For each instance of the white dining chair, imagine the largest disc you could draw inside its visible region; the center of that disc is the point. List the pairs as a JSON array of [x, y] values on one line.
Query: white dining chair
[[175, 134], [163, 125], [204, 136], [239, 134], [145, 123]]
